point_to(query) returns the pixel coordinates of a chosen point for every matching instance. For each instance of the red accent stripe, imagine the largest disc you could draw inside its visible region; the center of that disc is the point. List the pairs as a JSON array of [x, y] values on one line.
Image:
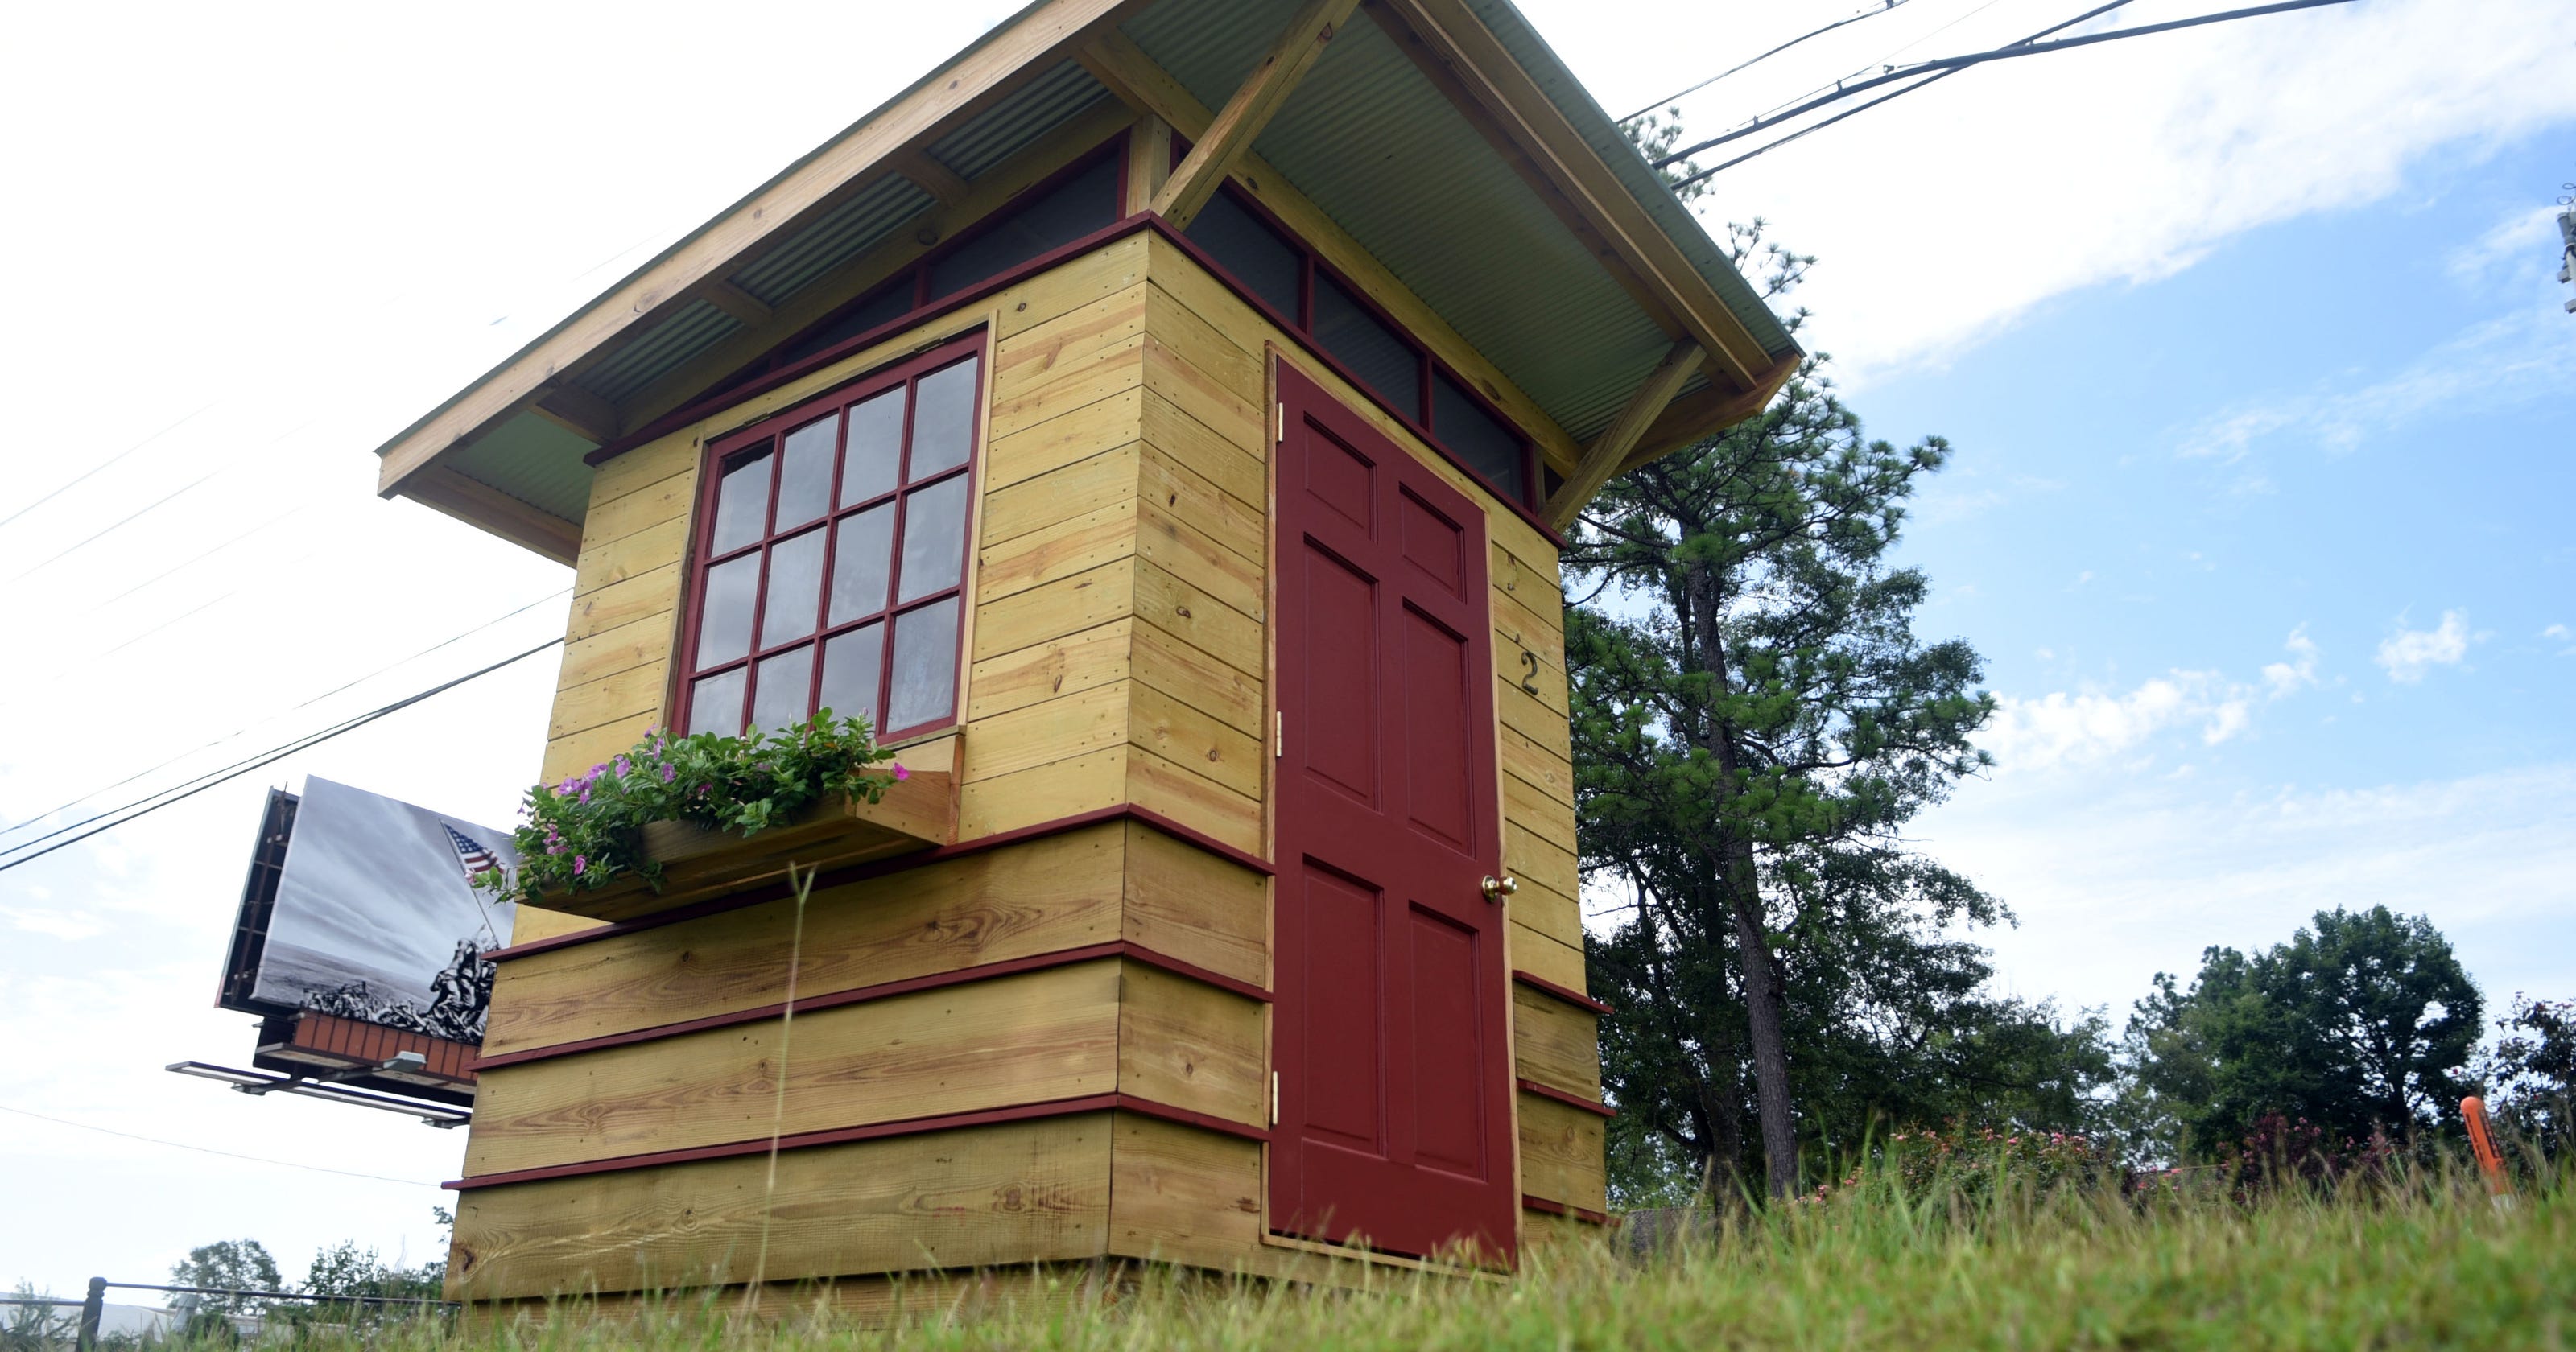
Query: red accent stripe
[[886, 867], [1570, 1100], [1571, 997], [987, 971], [914, 1126], [1555, 1208]]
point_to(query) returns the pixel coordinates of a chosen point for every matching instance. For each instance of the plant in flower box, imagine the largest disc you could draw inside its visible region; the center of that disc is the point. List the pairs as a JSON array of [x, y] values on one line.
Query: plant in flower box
[[588, 833]]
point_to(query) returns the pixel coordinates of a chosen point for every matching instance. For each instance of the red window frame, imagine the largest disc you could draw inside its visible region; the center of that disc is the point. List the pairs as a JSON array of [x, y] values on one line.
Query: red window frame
[[772, 432]]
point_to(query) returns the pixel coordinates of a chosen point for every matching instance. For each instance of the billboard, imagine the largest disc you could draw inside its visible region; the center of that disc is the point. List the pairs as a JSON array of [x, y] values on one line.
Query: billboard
[[358, 906]]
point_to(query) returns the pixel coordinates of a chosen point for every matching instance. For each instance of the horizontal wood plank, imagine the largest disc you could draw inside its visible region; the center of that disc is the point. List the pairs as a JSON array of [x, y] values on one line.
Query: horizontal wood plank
[[1562, 1153], [1196, 905], [1555, 1043], [1182, 1195], [1544, 954], [610, 699], [1193, 800], [1190, 1045], [1051, 610], [1043, 793], [1043, 671]]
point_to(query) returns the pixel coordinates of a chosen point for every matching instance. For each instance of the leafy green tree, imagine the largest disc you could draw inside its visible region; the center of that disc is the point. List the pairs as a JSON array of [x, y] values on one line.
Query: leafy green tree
[[229, 1265], [345, 1272], [2361, 1023], [1755, 723], [2530, 1074]]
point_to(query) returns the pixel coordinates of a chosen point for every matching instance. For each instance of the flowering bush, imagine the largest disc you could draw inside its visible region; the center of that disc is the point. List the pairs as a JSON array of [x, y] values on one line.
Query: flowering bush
[[582, 833], [2283, 1152]]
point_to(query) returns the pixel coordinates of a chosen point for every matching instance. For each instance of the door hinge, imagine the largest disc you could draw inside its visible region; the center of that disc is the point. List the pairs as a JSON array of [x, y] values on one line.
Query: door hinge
[[1279, 424], [1278, 734], [1274, 1098]]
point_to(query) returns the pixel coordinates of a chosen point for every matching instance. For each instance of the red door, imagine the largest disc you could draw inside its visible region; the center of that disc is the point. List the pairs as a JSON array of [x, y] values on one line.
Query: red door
[[1391, 1041]]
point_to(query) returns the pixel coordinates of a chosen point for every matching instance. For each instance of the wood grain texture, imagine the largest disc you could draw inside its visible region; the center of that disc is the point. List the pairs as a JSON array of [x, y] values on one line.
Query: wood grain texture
[[1539, 861], [1544, 909], [1198, 678], [1544, 953], [1040, 897], [1201, 743], [1053, 730], [577, 753], [1197, 906], [1193, 800], [1549, 819], [620, 603], [1236, 466], [1062, 440], [1538, 767], [668, 497], [623, 648], [1043, 793], [1028, 1038], [981, 1196], [1561, 1153], [636, 690], [1043, 671], [1190, 1045], [1181, 1195], [1105, 479], [1555, 1043], [1067, 605]]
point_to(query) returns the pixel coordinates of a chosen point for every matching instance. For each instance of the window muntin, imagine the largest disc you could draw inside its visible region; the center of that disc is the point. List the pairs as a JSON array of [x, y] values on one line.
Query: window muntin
[[827, 529], [1301, 291]]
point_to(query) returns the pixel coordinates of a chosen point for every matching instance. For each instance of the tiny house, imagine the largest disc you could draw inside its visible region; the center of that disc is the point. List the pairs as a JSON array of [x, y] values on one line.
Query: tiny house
[[1159, 423]]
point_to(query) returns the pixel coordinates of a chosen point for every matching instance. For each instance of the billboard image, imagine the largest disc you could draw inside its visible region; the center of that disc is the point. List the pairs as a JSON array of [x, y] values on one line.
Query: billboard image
[[359, 906]]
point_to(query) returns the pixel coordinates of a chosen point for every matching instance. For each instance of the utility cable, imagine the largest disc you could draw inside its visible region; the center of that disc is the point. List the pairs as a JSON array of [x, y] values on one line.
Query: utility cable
[[1883, 8], [151, 770], [210, 1150], [144, 806], [1947, 66], [102, 465]]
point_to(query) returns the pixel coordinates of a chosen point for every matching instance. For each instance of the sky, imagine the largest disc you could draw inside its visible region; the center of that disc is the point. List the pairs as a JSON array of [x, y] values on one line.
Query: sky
[[2246, 340]]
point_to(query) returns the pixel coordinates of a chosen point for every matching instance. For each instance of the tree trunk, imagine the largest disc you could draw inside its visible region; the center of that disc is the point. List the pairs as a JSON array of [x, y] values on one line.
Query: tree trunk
[[1770, 1045]]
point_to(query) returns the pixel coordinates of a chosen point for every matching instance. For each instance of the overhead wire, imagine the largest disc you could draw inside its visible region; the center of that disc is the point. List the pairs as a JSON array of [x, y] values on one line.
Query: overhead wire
[[210, 1150], [1943, 68], [337, 689], [145, 806], [1883, 8], [104, 464]]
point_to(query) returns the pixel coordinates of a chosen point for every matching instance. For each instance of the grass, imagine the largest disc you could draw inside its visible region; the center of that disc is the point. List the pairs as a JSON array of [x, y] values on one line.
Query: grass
[[2425, 1262]]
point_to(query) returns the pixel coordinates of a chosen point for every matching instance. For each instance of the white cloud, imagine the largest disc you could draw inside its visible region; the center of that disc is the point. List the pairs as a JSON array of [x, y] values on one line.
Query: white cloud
[[2523, 243], [2556, 631], [2409, 653], [2288, 678]]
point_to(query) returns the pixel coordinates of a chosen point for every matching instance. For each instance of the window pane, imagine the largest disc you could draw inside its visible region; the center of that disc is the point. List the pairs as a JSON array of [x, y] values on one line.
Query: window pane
[[1050, 220], [876, 447], [786, 682], [859, 563], [1243, 245], [715, 704], [724, 620], [925, 665], [805, 476], [742, 503], [795, 589], [1487, 445], [1383, 361], [943, 419], [934, 538], [851, 667]]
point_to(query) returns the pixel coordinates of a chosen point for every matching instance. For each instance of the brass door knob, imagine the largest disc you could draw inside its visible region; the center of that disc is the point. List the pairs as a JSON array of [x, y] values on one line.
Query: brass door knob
[[1498, 888]]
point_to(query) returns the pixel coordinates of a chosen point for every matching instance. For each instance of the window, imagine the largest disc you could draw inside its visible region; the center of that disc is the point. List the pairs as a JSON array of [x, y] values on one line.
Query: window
[[1302, 293], [833, 549]]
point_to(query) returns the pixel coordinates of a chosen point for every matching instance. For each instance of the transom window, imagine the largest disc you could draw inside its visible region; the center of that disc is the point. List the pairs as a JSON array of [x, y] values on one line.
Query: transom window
[[833, 548]]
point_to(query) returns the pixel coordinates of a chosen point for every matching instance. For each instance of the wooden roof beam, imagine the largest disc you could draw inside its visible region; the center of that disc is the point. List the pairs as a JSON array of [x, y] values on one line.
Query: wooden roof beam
[[1704, 412], [1263, 93], [480, 505], [932, 177], [1453, 47], [1036, 40], [579, 412], [1610, 450]]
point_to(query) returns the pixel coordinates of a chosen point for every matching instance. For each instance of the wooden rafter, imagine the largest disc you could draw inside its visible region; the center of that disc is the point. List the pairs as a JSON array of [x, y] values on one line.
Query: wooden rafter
[[579, 412], [1611, 449], [1454, 48], [487, 508], [1034, 43], [1707, 411], [735, 301], [1213, 155], [932, 177]]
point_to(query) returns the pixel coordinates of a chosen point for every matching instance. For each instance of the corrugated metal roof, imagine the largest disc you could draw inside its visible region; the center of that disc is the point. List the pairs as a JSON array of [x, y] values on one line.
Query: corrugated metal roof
[[532, 460], [1015, 123], [660, 351], [843, 233]]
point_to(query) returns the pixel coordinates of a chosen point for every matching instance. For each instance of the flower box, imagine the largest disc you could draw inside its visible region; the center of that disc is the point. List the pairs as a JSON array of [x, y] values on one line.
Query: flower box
[[916, 813]]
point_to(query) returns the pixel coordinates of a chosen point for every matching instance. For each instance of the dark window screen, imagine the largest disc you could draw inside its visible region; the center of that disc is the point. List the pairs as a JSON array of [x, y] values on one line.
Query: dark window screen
[[890, 302], [1477, 437], [1252, 251], [1361, 342], [1050, 220]]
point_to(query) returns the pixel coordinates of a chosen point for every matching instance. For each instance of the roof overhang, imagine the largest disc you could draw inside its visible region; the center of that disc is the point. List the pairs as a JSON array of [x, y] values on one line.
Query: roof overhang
[[1440, 141]]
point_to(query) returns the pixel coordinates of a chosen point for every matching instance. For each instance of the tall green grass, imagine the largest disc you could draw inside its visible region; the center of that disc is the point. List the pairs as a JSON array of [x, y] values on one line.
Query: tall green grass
[[2419, 1260]]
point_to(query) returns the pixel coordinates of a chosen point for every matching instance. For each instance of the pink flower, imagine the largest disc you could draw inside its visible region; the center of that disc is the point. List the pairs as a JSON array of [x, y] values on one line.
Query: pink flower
[[624, 767], [901, 773], [579, 862], [668, 774]]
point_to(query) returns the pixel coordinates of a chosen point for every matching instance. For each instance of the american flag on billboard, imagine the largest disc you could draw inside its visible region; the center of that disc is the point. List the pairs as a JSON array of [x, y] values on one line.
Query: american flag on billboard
[[470, 852]]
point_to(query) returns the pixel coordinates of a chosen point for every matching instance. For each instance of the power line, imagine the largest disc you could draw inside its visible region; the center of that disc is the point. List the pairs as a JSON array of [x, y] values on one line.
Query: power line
[[1884, 7], [121, 522], [210, 1150], [144, 806], [201, 558], [102, 465], [1947, 66], [155, 769]]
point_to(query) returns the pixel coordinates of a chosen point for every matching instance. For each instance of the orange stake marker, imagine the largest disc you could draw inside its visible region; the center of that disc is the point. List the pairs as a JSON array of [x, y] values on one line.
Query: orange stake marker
[[2482, 1141]]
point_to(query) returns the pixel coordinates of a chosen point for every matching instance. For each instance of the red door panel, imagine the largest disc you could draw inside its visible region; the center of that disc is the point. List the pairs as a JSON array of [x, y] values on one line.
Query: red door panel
[[1392, 1043]]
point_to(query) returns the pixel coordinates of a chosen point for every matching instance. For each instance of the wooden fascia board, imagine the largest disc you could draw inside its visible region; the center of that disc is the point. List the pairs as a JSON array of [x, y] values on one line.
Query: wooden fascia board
[[1706, 412], [1504, 92], [1236, 126], [486, 508], [1034, 42], [1610, 449], [1139, 81]]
